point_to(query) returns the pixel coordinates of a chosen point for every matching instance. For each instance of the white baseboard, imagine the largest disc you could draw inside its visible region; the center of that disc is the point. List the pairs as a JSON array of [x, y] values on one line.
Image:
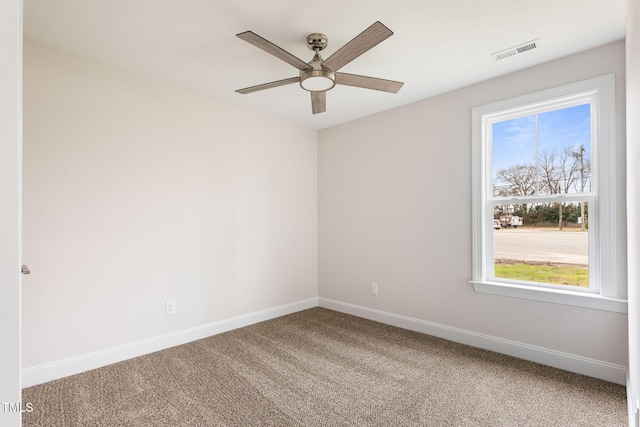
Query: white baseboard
[[74, 365], [568, 362]]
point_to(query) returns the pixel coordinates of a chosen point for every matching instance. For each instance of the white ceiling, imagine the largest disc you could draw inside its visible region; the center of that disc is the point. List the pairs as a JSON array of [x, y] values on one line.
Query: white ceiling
[[438, 45]]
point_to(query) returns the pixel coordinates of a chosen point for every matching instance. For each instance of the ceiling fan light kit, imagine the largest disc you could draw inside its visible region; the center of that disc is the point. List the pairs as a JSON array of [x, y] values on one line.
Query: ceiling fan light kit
[[317, 80], [318, 76]]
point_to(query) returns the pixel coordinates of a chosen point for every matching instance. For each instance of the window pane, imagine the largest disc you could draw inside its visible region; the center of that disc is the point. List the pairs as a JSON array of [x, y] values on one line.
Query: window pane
[[514, 157], [543, 252], [546, 153]]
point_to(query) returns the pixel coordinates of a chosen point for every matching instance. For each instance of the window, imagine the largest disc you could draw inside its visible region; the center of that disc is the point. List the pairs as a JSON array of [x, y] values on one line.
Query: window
[[544, 197]]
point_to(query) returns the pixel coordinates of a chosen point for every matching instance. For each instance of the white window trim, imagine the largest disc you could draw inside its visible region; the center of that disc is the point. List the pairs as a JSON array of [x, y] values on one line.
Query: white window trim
[[608, 290]]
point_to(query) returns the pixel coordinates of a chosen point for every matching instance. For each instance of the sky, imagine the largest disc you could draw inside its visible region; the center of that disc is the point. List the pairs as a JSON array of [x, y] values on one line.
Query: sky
[[514, 141]]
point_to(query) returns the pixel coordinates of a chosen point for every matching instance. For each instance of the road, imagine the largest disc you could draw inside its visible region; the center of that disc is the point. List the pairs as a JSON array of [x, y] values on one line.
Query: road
[[544, 245]]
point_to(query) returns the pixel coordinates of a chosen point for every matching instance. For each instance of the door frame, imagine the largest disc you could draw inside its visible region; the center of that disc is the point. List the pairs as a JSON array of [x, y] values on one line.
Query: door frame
[[10, 209]]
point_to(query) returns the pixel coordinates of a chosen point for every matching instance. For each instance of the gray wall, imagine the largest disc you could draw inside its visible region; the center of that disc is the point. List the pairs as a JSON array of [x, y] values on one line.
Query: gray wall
[[136, 193], [395, 205]]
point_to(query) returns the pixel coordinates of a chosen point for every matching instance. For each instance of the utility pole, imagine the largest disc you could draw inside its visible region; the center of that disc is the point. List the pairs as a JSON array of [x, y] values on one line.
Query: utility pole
[[581, 154]]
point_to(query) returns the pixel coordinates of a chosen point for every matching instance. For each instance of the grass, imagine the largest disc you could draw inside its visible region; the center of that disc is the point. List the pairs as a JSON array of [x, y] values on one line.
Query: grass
[[557, 274]]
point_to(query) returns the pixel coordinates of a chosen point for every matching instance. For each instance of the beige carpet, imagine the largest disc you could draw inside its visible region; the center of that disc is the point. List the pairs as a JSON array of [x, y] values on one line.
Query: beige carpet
[[322, 368]]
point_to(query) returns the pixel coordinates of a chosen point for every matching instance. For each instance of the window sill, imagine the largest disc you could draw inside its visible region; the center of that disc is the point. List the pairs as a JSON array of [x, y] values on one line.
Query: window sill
[[577, 299]]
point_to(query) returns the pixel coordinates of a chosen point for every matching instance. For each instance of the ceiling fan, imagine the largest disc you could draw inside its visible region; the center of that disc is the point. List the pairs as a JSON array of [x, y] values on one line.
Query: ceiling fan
[[318, 76]]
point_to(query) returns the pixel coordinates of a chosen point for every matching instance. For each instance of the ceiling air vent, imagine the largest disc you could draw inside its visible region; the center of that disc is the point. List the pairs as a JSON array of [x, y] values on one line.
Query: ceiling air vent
[[512, 51]]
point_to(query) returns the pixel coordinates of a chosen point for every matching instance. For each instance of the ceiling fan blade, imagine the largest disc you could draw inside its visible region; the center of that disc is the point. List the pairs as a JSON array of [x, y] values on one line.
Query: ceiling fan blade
[[357, 46], [368, 82], [319, 102], [278, 52], [268, 85]]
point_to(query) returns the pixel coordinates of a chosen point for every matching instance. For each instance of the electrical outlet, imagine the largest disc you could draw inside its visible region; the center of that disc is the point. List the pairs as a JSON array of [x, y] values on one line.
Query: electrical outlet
[[374, 289], [170, 307]]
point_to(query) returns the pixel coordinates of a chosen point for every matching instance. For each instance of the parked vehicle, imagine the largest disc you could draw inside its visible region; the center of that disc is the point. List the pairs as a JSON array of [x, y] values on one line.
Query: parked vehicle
[[496, 224], [508, 221]]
